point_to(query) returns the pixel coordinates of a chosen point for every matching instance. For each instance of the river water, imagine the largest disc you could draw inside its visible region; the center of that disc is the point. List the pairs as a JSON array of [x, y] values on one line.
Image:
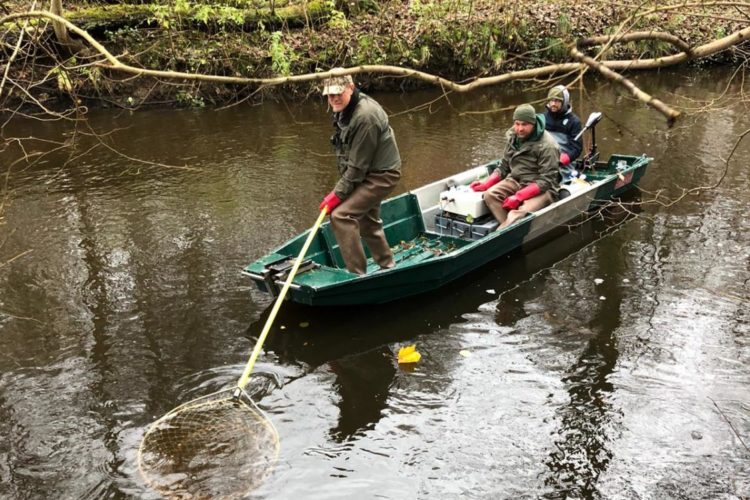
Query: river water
[[612, 362]]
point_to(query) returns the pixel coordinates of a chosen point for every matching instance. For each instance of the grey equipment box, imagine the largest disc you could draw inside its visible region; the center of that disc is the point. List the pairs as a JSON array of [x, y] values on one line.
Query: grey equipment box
[[462, 230], [482, 230], [459, 228], [443, 225]]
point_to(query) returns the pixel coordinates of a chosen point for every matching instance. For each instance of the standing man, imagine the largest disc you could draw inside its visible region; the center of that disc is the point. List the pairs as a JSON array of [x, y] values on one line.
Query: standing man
[[370, 167], [563, 124], [527, 178]]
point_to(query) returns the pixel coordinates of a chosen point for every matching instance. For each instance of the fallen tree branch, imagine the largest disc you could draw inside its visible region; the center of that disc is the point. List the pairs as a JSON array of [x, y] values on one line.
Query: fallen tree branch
[[697, 53], [3, 264], [687, 5], [605, 67], [670, 114]]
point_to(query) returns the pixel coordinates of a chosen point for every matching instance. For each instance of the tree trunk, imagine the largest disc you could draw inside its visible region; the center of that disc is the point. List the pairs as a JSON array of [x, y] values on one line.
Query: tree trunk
[[61, 31]]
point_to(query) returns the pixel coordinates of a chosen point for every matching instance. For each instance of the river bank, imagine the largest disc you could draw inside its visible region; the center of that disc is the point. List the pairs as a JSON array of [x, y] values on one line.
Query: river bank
[[457, 40]]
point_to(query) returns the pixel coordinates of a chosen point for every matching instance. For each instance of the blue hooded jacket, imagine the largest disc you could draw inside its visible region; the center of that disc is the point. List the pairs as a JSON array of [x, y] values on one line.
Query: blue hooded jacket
[[564, 125]]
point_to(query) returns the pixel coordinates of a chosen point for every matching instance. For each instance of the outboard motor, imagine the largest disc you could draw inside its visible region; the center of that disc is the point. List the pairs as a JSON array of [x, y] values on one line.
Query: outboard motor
[[592, 156], [575, 172]]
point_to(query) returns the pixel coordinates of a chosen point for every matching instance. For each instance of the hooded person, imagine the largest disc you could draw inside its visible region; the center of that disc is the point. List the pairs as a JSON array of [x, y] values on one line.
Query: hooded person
[[527, 178], [369, 167], [563, 124]]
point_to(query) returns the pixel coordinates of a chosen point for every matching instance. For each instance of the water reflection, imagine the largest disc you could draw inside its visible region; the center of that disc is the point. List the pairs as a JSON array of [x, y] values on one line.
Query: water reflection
[[362, 364], [363, 382], [589, 422], [129, 301]]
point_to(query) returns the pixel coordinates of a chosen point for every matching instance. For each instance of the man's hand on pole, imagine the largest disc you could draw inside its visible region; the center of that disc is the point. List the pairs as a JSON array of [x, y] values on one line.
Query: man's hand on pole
[[330, 202]]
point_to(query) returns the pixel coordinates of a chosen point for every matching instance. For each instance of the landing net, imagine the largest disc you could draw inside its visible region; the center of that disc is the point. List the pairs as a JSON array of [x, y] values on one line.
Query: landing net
[[217, 446], [221, 445]]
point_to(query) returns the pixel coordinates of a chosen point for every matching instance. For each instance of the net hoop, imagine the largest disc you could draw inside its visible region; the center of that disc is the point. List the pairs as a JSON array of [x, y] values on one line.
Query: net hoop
[[179, 453]]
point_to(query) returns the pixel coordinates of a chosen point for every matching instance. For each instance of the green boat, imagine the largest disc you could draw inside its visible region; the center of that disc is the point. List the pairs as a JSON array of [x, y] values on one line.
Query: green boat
[[438, 235]]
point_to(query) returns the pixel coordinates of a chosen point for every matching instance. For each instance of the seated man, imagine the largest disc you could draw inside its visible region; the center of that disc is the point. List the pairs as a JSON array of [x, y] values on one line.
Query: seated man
[[527, 178], [563, 124]]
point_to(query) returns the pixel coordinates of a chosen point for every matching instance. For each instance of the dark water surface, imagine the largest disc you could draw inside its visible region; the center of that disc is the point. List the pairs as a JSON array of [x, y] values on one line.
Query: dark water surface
[[613, 362]]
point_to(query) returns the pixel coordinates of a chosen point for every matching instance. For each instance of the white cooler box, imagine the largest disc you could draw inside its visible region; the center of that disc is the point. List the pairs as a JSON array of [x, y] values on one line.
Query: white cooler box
[[462, 200]]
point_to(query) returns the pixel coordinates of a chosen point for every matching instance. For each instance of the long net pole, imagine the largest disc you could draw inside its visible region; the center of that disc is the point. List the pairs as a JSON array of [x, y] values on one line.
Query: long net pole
[[277, 305]]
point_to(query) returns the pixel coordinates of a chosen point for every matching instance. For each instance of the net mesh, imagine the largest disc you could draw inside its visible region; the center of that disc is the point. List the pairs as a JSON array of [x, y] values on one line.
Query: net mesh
[[217, 446]]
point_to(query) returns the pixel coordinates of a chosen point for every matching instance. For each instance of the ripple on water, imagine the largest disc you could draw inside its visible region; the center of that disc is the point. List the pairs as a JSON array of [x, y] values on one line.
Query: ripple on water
[[59, 429], [132, 282]]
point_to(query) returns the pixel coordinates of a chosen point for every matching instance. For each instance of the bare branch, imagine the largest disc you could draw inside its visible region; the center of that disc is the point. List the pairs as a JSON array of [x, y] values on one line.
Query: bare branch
[[668, 112], [15, 52], [635, 36], [687, 5], [730, 424], [3, 264]]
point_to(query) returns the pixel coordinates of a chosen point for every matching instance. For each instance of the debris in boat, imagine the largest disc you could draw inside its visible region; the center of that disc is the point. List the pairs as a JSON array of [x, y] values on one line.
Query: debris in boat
[[408, 354], [464, 353]]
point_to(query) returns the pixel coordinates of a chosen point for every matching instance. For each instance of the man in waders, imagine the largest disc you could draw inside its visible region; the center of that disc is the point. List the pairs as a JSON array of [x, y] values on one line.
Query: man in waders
[[369, 165]]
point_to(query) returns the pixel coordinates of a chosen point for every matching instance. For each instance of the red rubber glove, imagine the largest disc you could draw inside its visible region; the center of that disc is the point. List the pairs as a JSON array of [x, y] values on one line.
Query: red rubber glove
[[330, 202], [484, 186], [514, 201], [564, 159]]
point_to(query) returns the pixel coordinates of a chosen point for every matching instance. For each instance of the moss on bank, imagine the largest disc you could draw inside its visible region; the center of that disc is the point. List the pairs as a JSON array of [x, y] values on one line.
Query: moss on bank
[[206, 17]]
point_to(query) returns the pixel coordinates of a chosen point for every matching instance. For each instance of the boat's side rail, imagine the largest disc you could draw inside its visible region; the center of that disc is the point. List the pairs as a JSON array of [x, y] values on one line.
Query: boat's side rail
[[600, 186]]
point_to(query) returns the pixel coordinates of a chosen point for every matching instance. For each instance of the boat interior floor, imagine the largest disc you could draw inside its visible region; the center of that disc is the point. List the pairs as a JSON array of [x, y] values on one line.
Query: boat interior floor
[[423, 247]]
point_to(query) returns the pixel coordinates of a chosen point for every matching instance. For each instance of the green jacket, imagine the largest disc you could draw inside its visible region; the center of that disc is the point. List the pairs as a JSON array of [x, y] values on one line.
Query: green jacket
[[363, 142], [536, 159]]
